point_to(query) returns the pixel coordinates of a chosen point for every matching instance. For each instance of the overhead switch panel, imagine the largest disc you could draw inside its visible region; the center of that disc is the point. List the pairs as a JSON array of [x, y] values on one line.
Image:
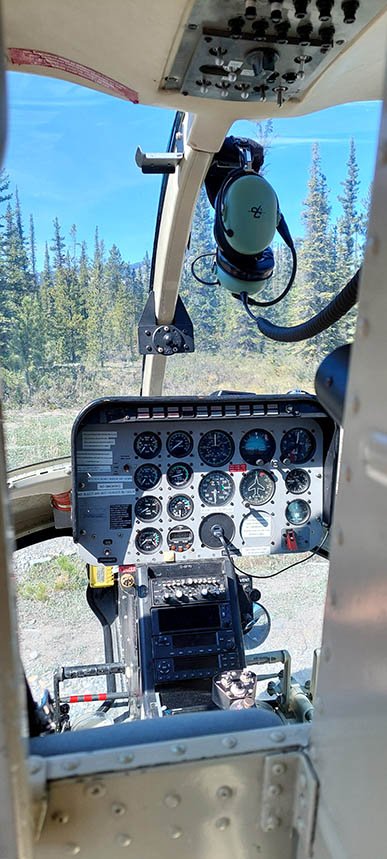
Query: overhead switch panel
[[263, 50]]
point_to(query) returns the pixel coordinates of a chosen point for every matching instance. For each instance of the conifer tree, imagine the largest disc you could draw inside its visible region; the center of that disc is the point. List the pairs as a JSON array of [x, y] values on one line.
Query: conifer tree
[[58, 246], [32, 250], [97, 308], [348, 225]]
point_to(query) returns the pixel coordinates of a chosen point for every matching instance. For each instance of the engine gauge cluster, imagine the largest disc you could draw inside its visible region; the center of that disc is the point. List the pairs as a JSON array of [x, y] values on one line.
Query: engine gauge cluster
[[157, 486]]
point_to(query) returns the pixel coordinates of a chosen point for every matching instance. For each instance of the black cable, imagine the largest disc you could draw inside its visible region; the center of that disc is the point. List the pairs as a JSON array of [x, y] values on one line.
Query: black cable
[[338, 307], [206, 282], [246, 300], [271, 575]]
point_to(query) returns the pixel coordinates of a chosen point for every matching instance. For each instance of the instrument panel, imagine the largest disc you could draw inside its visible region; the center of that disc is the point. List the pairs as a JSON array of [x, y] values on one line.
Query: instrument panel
[[152, 477]]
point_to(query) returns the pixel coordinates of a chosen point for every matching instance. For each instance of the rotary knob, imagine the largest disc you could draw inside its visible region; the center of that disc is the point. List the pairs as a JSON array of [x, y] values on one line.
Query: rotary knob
[[204, 592], [179, 594]]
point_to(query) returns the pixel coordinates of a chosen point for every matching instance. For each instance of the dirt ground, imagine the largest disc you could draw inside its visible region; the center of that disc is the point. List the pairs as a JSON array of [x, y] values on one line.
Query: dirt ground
[[64, 631]]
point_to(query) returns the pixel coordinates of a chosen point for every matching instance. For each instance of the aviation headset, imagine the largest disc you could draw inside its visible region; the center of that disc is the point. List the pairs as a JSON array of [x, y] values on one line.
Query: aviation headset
[[247, 214]]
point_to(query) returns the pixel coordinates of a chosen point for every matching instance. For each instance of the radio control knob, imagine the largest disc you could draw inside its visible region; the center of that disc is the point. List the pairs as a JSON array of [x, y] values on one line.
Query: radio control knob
[[168, 598], [204, 592], [179, 594]]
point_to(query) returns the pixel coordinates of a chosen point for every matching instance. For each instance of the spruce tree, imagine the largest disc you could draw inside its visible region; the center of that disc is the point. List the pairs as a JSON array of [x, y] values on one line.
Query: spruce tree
[[348, 225], [32, 249]]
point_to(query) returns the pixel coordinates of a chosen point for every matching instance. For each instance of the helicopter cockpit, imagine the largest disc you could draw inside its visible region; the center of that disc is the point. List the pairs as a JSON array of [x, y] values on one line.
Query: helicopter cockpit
[[176, 502]]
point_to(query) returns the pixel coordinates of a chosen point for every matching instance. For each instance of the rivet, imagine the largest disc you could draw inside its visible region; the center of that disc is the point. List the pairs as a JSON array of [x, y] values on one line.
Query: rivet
[[273, 822], [178, 749], [70, 765], [302, 800], [72, 849], [122, 839], [274, 789], [60, 817], [229, 742], [363, 327], [347, 473], [222, 823], [118, 808], [175, 832], [224, 792], [277, 736], [340, 537], [126, 758], [95, 790], [355, 404], [278, 769], [333, 598], [329, 381], [172, 800]]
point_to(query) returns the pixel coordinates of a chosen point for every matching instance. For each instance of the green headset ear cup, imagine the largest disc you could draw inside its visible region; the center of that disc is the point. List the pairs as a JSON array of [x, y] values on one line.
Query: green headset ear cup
[[251, 279], [246, 214]]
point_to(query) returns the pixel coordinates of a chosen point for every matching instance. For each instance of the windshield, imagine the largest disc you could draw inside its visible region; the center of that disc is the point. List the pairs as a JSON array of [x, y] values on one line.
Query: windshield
[[77, 226]]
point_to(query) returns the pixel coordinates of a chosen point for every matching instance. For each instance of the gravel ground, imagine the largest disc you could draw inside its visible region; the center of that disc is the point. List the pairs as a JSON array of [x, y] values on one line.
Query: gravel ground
[[65, 632]]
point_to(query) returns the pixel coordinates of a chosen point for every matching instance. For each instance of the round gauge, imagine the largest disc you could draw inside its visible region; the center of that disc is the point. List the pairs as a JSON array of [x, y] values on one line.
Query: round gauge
[[179, 474], [298, 512], [216, 447], [147, 476], [148, 540], [179, 444], [180, 538], [180, 507], [297, 480], [147, 508], [257, 487], [216, 488], [257, 446], [297, 445], [147, 445]]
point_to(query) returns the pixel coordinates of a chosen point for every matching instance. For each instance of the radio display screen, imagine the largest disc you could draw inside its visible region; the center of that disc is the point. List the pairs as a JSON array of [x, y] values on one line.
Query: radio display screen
[[194, 639], [190, 617], [196, 663]]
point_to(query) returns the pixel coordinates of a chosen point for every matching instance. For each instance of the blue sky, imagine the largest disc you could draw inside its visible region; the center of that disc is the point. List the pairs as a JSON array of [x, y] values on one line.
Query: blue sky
[[71, 152]]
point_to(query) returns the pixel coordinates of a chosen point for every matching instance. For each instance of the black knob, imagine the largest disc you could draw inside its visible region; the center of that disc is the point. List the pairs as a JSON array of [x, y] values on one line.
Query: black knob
[[350, 8], [304, 31], [300, 7], [260, 27], [324, 7], [326, 34]]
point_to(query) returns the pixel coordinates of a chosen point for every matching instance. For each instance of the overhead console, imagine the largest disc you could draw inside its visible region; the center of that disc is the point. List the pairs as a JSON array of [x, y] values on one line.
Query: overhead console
[[271, 50], [152, 476]]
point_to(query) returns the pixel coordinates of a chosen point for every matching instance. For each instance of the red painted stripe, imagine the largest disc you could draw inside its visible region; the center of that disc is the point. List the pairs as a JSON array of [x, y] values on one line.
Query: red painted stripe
[[88, 697], [73, 699], [102, 696], [30, 57]]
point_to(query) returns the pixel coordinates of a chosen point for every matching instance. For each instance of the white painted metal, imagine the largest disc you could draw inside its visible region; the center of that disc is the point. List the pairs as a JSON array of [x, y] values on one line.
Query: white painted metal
[[15, 837], [349, 729], [197, 809]]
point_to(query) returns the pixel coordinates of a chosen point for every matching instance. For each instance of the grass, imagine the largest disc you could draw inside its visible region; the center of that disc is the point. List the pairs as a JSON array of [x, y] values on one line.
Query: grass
[[42, 429], [42, 581]]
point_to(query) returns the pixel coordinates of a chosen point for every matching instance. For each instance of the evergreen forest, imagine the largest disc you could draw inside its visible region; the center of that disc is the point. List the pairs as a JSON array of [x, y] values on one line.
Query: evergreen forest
[[69, 331]]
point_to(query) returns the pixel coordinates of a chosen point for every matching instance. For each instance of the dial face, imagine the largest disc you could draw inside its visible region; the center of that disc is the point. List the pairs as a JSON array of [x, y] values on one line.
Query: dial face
[[180, 507], [179, 444], [180, 538], [257, 487], [297, 445], [148, 540], [257, 446], [298, 512], [147, 508], [179, 474], [147, 476], [147, 445], [297, 480], [216, 488], [216, 447]]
